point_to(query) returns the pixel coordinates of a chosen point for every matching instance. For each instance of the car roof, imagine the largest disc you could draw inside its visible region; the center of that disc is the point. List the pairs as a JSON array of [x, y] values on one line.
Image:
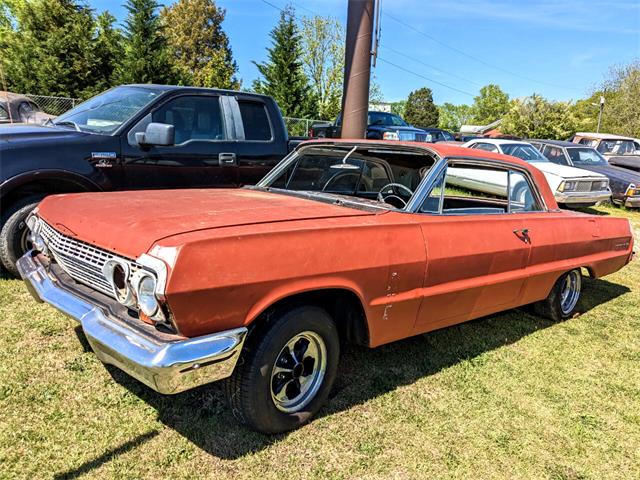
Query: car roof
[[186, 88], [602, 136], [499, 141]]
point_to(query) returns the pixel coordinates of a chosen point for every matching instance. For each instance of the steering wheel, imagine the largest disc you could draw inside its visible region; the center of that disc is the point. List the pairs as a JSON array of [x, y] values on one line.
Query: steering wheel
[[383, 198], [343, 176]]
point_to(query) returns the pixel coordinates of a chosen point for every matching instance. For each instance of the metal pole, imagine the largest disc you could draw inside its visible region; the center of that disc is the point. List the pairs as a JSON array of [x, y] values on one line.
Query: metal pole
[[600, 113], [357, 68]]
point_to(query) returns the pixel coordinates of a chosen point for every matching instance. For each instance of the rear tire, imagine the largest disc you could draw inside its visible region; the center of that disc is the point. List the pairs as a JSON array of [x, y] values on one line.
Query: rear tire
[[13, 241], [563, 298], [285, 371]]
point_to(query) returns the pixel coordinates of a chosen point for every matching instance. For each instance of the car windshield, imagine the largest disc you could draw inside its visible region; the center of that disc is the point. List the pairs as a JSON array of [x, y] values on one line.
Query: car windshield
[[386, 119], [104, 113], [371, 175], [617, 147], [585, 156], [524, 151]]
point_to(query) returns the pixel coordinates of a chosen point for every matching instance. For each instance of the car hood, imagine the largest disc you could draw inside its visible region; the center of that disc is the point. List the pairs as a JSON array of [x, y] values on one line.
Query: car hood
[[617, 173], [563, 171], [18, 133], [129, 223]]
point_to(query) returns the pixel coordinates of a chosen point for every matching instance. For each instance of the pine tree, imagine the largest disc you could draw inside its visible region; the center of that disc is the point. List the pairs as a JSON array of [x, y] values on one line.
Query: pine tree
[[283, 77], [199, 47], [420, 109], [145, 47], [107, 53]]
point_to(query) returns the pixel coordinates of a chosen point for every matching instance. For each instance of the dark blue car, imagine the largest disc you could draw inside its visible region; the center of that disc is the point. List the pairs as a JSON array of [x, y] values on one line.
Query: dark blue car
[[381, 126], [624, 183]]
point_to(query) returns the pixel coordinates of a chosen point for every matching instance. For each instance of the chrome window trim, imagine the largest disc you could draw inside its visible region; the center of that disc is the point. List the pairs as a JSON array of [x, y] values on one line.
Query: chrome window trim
[[414, 206]]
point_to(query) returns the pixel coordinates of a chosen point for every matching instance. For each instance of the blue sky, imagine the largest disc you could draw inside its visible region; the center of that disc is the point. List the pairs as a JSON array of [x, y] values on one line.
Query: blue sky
[[558, 49]]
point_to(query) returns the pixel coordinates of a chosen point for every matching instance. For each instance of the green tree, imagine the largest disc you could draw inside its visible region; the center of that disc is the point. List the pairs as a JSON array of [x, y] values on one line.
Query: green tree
[[621, 114], [48, 47], [398, 107], [420, 109], [323, 60], [282, 75], [490, 105], [452, 117], [199, 47], [536, 117], [146, 57], [107, 52]]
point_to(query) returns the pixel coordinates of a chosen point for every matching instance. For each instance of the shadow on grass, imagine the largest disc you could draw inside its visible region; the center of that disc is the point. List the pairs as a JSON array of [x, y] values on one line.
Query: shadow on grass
[[202, 416]]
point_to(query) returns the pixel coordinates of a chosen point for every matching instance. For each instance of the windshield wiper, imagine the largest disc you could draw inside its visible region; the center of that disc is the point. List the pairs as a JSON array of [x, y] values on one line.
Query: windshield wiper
[[66, 123]]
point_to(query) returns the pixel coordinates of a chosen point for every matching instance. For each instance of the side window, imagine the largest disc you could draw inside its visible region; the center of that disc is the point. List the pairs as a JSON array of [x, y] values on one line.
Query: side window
[[25, 110], [448, 137], [3, 114], [193, 117], [475, 190], [486, 147], [521, 197], [255, 120], [555, 155]]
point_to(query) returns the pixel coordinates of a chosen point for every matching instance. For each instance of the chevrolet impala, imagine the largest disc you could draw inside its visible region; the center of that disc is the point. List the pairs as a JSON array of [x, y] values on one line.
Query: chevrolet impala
[[345, 241]]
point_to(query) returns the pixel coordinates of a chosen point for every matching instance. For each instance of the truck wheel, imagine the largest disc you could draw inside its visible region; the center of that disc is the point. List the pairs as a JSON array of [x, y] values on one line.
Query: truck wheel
[[285, 371], [563, 299], [13, 232]]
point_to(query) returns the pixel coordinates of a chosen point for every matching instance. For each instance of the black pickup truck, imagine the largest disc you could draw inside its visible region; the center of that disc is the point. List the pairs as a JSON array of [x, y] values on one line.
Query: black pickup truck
[[136, 137]]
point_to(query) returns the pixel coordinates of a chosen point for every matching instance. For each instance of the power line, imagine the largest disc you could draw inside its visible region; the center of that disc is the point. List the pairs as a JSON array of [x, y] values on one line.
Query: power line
[[426, 78], [473, 57], [409, 57]]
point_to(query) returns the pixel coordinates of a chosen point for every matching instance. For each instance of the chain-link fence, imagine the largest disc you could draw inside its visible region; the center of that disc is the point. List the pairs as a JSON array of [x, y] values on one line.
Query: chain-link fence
[[299, 127], [54, 105]]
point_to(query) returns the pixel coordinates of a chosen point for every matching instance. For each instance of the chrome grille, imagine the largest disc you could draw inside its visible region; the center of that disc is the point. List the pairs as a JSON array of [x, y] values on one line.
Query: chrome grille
[[589, 186], [81, 261]]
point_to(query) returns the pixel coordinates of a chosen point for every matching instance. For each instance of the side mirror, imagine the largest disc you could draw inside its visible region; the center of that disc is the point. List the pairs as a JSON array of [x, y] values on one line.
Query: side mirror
[[161, 134]]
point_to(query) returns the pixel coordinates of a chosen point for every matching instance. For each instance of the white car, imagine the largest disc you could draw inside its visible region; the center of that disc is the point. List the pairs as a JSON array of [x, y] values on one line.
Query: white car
[[572, 187]]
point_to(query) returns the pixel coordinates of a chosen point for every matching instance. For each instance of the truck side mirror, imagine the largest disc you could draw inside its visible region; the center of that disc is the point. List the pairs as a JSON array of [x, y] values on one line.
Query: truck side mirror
[[161, 134]]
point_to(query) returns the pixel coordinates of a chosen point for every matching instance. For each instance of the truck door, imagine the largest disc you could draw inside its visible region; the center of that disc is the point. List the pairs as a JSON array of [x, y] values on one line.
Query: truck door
[[204, 152], [261, 135]]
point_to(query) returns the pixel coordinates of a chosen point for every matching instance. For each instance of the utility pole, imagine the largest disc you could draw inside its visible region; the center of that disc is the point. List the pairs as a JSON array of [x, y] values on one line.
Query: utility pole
[[600, 114], [357, 68]]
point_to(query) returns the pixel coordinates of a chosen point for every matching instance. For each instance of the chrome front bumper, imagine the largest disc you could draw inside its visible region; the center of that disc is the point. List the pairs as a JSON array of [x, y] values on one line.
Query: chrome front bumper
[[168, 365], [583, 197]]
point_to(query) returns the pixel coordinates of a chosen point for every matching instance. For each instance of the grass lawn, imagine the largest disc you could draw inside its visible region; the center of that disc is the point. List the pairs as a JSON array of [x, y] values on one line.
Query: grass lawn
[[508, 396]]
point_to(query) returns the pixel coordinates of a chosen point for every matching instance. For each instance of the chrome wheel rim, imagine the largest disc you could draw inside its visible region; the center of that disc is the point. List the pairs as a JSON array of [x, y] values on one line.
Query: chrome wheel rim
[[25, 238], [570, 291], [298, 372]]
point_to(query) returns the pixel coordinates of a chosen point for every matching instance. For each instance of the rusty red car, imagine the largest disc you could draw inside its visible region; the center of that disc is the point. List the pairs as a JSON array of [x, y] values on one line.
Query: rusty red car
[[344, 241]]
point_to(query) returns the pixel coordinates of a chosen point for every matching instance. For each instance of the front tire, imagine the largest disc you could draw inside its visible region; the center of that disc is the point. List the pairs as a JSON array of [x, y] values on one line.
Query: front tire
[[13, 232], [285, 371], [563, 298]]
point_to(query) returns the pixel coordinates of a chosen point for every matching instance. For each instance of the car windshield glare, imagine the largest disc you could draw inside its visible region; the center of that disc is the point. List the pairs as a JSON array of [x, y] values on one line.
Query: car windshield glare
[[586, 156], [380, 176], [523, 151], [106, 112]]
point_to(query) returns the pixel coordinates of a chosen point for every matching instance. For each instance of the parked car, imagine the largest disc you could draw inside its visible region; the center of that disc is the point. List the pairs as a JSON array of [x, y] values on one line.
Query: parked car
[[572, 187], [624, 183], [465, 137], [137, 137], [439, 135], [618, 150], [381, 126], [348, 241], [16, 108]]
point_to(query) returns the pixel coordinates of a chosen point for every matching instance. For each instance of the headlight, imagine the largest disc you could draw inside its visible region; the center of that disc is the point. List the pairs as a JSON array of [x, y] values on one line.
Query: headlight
[[602, 185], [390, 136], [145, 287], [568, 186], [117, 274]]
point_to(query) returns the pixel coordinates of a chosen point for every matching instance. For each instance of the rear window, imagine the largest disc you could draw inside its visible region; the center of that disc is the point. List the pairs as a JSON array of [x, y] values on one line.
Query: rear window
[[255, 120]]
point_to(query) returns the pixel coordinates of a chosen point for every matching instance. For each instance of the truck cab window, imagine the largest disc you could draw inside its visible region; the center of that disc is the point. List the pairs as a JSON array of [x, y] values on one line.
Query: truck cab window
[[256, 121], [193, 117]]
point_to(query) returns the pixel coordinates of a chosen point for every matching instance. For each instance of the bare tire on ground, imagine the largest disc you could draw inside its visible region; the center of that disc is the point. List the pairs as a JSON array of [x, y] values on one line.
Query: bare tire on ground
[[285, 371], [13, 232], [563, 299]]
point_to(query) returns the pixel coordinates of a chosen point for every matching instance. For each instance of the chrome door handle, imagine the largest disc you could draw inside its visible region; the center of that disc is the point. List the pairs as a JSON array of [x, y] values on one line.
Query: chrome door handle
[[524, 233], [227, 158]]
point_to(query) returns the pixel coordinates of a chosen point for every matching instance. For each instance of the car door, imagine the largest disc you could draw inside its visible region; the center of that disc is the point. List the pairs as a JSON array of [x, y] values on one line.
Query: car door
[[476, 256], [203, 154], [260, 143]]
